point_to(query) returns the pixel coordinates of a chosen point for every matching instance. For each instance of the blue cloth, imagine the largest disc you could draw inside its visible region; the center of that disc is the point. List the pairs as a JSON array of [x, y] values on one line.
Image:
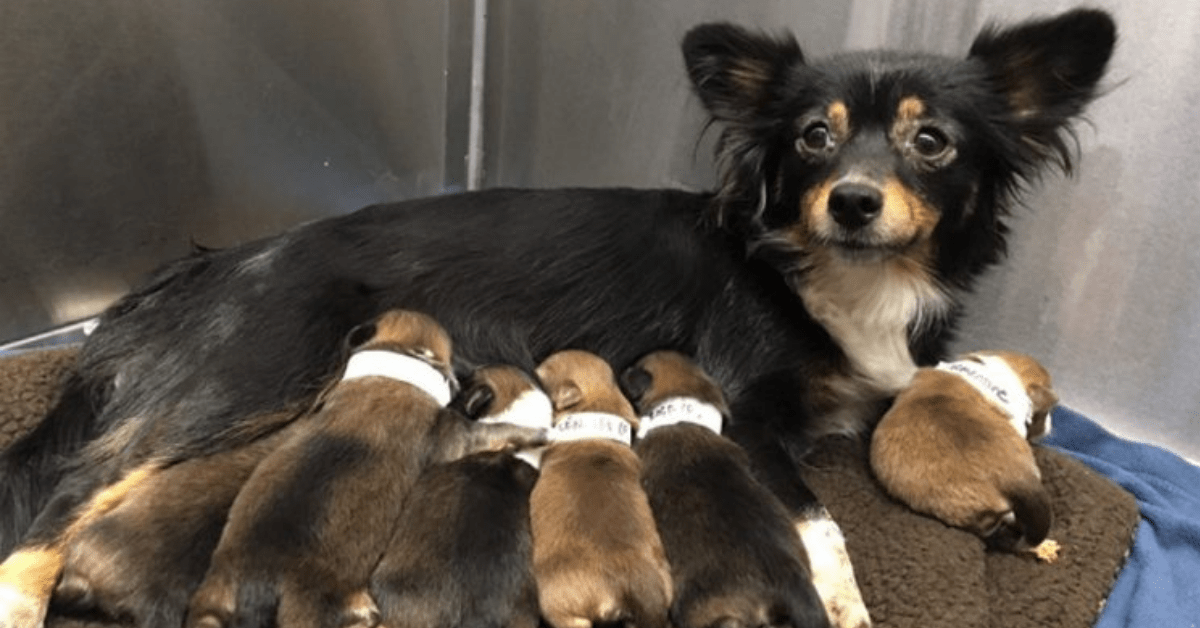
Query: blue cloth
[[1160, 585]]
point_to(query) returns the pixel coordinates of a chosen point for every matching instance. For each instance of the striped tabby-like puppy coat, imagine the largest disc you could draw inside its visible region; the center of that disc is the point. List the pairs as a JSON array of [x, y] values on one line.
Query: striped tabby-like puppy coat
[[597, 556], [735, 558], [462, 551], [315, 517]]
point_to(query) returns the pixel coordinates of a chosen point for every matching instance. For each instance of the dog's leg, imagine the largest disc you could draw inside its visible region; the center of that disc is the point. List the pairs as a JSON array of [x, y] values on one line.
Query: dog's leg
[[28, 575], [830, 569]]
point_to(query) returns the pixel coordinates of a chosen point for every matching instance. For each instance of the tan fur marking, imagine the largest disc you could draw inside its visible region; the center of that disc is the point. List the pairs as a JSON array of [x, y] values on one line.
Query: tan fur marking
[[750, 75], [507, 383], [910, 108], [578, 381], [411, 330], [905, 216], [675, 375], [839, 119]]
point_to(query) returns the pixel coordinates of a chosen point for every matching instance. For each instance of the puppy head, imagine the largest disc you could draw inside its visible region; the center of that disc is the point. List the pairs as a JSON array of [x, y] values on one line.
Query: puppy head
[[664, 375], [578, 381], [406, 333], [1038, 386], [504, 394], [866, 156]]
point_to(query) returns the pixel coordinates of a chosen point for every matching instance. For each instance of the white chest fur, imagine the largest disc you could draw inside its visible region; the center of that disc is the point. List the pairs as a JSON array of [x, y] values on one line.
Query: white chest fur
[[870, 308]]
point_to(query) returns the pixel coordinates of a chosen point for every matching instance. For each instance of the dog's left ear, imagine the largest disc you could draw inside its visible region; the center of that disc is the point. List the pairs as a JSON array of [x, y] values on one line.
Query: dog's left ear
[[635, 382], [1048, 70], [360, 335]]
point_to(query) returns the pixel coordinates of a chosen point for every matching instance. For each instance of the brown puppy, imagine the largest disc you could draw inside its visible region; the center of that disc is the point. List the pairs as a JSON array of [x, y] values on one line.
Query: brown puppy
[[955, 445], [597, 556], [735, 556], [142, 560], [315, 517], [462, 553]]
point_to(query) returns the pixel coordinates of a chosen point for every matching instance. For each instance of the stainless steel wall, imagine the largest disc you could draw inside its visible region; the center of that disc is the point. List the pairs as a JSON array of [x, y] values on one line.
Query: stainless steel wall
[[131, 128]]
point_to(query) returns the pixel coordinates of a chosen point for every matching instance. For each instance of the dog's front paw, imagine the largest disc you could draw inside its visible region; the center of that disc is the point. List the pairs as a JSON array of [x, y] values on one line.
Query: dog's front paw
[[832, 573], [19, 610]]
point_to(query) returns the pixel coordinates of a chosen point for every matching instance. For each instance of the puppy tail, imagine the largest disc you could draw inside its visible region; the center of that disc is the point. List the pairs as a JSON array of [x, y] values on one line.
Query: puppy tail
[[31, 467], [1032, 516]]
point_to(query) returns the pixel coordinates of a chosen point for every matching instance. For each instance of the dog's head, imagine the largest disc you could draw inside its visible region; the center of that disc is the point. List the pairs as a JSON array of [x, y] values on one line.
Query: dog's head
[[1038, 386], [405, 333], [664, 375], [579, 381], [881, 154], [504, 394]]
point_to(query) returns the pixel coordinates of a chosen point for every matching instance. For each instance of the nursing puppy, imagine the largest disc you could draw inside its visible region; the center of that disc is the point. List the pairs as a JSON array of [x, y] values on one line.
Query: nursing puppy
[[143, 559], [735, 558], [462, 552], [955, 445], [315, 517], [597, 556]]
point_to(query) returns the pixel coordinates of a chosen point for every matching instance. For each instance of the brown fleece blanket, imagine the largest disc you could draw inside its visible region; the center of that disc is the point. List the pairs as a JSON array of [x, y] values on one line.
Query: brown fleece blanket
[[913, 571]]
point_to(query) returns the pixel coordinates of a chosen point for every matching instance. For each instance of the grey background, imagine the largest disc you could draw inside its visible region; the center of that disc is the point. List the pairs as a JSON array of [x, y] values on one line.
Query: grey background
[[131, 129]]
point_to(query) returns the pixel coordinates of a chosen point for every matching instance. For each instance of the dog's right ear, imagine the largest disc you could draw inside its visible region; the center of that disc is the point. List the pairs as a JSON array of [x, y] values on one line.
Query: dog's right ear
[[635, 383], [732, 69], [360, 335], [475, 401], [566, 396]]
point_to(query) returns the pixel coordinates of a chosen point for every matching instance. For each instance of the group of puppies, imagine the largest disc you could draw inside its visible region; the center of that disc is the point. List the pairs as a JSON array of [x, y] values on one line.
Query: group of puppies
[[400, 500]]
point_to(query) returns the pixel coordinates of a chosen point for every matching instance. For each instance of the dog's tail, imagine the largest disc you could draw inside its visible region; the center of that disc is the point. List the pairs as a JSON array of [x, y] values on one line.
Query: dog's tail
[[31, 467], [1032, 516]]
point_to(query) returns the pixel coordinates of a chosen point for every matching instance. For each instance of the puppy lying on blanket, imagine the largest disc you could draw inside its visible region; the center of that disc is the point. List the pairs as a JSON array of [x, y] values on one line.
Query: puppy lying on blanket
[[315, 517], [462, 551], [955, 445], [597, 556], [735, 558]]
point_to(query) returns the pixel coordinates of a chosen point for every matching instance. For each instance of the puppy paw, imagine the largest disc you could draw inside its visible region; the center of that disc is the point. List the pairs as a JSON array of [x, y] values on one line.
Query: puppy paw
[[19, 610], [832, 573]]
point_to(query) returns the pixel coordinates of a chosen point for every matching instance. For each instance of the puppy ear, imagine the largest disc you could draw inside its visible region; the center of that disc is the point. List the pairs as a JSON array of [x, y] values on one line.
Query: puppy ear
[[635, 382], [1048, 70], [732, 69], [566, 396], [1044, 401], [475, 401], [360, 335]]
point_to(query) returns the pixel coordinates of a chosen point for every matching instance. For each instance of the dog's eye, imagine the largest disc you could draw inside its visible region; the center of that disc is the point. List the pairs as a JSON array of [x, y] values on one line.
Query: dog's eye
[[930, 142], [815, 137]]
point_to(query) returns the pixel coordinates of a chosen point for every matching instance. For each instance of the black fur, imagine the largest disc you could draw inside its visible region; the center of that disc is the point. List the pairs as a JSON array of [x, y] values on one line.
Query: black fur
[[515, 275]]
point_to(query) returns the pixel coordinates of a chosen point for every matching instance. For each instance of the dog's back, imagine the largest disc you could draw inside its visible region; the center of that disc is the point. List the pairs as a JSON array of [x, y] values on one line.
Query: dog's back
[[597, 555], [462, 553], [735, 557], [314, 518]]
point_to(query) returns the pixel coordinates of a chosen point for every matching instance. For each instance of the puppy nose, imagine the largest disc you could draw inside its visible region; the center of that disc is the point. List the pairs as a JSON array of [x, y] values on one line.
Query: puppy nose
[[854, 205]]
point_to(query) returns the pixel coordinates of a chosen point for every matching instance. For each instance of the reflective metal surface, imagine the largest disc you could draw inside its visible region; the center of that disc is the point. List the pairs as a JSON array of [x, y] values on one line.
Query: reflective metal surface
[[131, 128]]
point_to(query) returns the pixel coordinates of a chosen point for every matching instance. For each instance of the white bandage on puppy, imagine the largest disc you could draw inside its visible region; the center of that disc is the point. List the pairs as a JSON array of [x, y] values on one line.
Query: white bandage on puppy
[[531, 409], [681, 410], [585, 425], [999, 384], [404, 368]]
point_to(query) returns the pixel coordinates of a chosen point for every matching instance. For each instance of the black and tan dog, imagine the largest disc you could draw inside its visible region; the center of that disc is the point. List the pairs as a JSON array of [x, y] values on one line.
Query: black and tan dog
[[597, 555], [462, 553], [315, 517], [955, 445], [858, 198], [735, 556]]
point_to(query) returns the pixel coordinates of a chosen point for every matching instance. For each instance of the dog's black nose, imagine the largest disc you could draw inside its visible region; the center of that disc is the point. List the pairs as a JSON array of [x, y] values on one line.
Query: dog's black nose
[[854, 205]]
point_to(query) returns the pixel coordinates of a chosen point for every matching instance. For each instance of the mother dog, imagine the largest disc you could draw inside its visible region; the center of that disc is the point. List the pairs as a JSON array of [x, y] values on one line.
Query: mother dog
[[860, 195]]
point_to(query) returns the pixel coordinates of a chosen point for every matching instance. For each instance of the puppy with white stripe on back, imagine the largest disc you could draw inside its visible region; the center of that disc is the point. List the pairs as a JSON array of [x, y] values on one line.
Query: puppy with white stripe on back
[[315, 517], [735, 557], [462, 551], [597, 555], [955, 445]]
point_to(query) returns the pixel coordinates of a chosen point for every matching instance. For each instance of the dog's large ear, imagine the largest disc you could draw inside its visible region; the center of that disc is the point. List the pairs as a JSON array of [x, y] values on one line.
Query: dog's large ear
[[1048, 70], [475, 400], [732, 69]]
